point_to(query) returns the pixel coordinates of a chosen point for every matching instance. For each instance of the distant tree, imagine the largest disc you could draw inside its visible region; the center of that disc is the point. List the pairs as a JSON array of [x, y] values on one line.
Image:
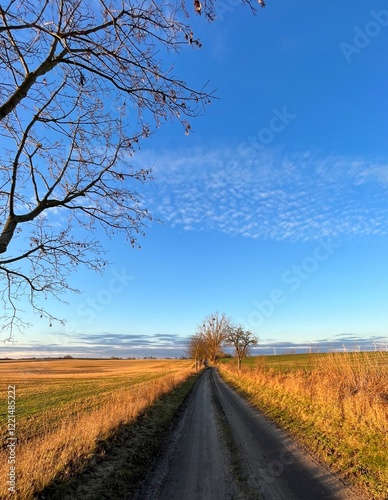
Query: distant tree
[[241, 340], [82, 82], [214, 329], [196, 349], [68, 356]]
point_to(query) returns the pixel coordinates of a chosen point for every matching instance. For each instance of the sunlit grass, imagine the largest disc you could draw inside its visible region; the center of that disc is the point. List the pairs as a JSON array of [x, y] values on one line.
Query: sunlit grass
[[337, 404]]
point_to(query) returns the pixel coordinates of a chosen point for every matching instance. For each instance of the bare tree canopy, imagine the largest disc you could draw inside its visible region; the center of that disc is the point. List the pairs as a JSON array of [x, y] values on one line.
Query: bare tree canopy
[[215, 332], [241, 340], [196, 349], [81, 83], [214, 329]]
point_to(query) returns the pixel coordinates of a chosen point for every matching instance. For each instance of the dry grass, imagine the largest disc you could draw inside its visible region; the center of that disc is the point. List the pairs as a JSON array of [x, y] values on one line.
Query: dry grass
[[337, 404], [65, 408]]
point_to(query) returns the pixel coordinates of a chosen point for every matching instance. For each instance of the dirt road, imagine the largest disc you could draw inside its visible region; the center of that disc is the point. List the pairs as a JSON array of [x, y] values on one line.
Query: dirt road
[[223, 449]]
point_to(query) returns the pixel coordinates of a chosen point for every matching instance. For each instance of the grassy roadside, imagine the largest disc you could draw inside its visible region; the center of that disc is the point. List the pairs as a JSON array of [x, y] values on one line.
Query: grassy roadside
[[336, 405], [121, 461]]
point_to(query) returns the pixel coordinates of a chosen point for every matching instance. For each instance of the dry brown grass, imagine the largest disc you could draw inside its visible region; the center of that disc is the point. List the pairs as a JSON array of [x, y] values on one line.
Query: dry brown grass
[[338, 406], [65, 408]]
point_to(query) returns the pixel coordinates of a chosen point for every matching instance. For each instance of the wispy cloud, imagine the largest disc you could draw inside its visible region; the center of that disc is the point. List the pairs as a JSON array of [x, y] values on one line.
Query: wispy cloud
[[268, 195]]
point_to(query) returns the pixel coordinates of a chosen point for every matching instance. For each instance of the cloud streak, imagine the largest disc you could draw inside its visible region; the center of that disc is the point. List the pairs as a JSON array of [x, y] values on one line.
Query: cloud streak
[[344, 342], [301, 196], [105, 345]]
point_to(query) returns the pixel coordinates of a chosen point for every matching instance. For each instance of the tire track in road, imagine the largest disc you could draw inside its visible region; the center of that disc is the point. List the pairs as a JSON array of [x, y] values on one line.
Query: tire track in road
[[223, 449]]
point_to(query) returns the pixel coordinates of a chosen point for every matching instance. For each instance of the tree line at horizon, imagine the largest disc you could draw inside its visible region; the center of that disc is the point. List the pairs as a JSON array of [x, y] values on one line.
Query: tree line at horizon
[[213, 334]]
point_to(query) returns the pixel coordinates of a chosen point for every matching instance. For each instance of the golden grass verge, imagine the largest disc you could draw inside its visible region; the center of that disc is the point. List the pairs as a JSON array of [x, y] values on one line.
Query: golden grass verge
[[338, 408]]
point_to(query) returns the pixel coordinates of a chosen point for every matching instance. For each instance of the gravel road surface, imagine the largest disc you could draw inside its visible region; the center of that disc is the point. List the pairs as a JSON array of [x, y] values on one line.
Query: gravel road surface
[[223, 449]]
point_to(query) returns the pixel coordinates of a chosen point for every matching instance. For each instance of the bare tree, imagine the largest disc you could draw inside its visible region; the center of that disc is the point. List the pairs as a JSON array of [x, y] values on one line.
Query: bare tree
[[196, 349], [82, 82], [214, 328], [241, 340]]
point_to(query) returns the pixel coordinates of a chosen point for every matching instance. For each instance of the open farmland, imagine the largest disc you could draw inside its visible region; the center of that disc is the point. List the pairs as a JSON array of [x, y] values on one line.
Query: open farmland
[[65, 408], [335, 404]]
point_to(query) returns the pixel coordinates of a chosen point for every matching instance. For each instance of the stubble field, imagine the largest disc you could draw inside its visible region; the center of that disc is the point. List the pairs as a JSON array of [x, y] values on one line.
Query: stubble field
[[64, 408]]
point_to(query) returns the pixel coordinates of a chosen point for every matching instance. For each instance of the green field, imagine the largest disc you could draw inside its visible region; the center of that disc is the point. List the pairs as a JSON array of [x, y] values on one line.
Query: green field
[[306, 361]]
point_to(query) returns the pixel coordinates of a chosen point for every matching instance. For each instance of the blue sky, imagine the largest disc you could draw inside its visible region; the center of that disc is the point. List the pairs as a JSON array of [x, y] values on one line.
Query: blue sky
[[274, 209]]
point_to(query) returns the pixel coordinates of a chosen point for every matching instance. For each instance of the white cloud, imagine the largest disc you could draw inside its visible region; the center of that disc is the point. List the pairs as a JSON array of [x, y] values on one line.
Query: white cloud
[[301, 196]]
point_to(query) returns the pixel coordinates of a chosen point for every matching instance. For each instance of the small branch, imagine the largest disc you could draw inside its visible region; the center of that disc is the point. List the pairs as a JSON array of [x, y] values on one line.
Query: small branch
[[13, 43]]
